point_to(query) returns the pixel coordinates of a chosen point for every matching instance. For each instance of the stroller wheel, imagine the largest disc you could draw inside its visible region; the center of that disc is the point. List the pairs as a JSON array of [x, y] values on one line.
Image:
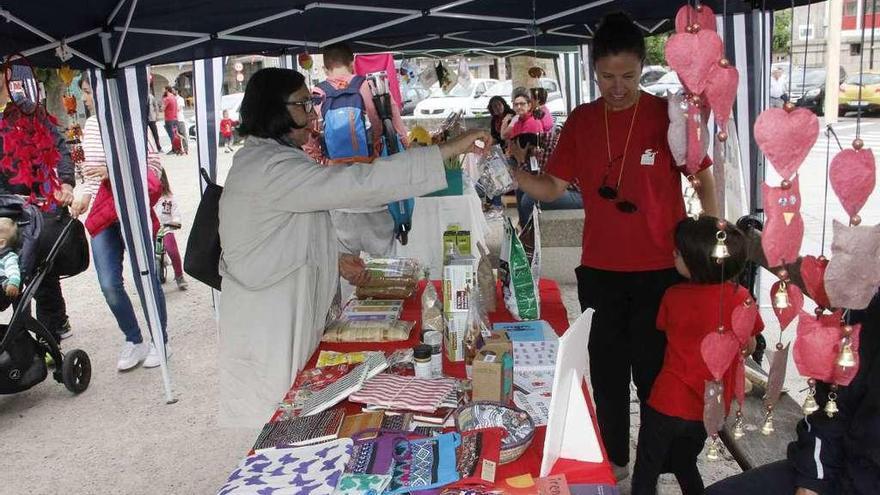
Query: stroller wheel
[[76, 371]]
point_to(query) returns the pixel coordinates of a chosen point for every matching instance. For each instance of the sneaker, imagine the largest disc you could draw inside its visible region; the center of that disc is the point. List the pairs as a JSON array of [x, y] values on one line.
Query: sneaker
[[65, 331], [182, 284], [620, 472], [152, 359], [131, 355]]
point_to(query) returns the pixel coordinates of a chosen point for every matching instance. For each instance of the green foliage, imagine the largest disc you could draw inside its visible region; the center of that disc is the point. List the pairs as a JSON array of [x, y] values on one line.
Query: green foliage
[[656, 49], [782, 31]]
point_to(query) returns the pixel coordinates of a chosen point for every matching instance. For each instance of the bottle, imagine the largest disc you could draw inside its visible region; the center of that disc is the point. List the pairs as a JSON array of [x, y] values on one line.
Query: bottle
[[422, 360], [434, 339]]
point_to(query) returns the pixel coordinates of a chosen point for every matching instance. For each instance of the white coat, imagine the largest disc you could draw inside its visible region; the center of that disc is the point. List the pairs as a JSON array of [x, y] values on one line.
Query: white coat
[[279, 261]]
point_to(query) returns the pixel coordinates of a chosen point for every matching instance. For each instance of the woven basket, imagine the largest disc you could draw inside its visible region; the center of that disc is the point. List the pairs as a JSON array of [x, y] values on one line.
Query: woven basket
[[486, 414]]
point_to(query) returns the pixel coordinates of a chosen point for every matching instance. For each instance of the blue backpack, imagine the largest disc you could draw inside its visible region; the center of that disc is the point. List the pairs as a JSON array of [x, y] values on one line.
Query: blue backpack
[[345, 122]]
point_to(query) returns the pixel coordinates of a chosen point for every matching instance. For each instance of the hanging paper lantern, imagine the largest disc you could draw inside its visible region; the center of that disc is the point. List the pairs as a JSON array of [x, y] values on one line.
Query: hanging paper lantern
[[305, 60], [66, 74]]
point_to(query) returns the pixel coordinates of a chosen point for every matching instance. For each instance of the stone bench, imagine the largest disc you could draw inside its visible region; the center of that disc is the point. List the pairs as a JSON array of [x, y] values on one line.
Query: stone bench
[[561, 238]]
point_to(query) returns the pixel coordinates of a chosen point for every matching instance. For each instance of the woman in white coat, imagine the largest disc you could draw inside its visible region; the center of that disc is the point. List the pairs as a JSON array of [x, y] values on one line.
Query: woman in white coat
[[280, 263]]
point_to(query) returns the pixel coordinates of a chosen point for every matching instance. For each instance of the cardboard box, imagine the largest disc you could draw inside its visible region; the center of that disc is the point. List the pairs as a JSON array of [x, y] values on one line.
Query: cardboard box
[[453, 339], [459, 275], [498, 342], [493, 374]]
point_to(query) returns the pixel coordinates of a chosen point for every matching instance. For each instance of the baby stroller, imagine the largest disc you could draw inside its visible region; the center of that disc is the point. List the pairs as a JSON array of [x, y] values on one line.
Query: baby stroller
[[24, 341]]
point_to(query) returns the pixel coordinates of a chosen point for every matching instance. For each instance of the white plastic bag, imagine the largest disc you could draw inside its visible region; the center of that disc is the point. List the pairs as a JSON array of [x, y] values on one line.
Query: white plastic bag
[[495, 178]]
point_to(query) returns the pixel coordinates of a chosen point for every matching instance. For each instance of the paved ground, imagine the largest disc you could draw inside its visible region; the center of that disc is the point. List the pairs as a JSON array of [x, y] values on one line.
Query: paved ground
[[120, 436]]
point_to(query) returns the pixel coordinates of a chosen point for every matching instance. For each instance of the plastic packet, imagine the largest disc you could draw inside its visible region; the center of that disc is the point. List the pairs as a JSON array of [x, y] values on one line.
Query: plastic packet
[[486, 281], [432, 308], [333, 358], [390, 278], [495, 178], [343, 330]]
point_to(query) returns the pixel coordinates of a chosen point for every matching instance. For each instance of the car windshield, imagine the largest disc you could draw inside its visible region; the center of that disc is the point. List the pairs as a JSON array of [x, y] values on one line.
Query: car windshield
[[865, 79], [812, 77], [457, 91], [504, 88], [669, 78]]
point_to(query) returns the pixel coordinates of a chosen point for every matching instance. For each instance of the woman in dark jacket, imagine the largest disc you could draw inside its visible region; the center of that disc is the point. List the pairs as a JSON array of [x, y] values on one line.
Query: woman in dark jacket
[[500, 112]]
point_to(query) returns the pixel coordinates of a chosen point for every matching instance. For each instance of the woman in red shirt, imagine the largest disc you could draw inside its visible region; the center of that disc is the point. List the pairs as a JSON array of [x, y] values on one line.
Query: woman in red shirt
[[525, 122], [616, 149]]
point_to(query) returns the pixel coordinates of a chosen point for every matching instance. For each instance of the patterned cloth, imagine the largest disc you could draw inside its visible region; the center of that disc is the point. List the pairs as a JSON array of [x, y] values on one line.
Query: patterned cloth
[[362, 484], [300, 430], [404, 392], [312, 470]]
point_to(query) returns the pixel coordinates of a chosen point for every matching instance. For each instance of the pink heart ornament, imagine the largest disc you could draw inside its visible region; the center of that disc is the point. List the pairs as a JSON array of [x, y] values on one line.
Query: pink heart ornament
[[786, 138], [742, 319], [687, 15], [719, 350], [813, 275], [816, 346], [721, 91], [795, 304], [692, 55], [853, 175]]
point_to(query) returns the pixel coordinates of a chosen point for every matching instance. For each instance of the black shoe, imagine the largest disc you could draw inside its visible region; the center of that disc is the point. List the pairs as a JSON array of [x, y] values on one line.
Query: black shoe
[[64, 332]]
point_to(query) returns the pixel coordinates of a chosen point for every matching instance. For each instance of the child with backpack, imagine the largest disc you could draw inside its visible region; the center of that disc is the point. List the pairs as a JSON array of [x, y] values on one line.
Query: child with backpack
[[352, 133], [672, 433]]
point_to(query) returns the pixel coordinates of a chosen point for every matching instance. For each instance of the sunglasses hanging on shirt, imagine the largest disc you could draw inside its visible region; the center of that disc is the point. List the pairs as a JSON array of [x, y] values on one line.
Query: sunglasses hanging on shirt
[[613, 193]]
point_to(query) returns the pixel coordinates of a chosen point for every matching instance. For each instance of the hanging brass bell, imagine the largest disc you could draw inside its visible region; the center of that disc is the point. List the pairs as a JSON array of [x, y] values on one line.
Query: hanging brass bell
[[847, 358], [739, 430], [780, 297], [768, 428], [831, 406], [810, 405], [720, 251]]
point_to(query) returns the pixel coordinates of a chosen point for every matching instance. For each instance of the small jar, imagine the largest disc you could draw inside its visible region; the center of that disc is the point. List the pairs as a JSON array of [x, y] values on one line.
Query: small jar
[[422, 360], [434, 339]]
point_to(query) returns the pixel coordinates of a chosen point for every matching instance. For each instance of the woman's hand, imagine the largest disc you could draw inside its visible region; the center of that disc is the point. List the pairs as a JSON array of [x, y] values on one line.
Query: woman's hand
[[517, 152], [96, 173], [353, 269], [465, 143], [64, 196], [80, 205]]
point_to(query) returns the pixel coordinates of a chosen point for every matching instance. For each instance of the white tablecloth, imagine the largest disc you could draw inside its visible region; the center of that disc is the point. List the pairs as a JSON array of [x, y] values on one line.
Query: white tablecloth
[[432, 215]]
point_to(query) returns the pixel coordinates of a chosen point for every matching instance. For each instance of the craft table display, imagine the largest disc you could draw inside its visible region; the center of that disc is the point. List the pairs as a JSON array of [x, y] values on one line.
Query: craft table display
[[553, 311], [431, 216]]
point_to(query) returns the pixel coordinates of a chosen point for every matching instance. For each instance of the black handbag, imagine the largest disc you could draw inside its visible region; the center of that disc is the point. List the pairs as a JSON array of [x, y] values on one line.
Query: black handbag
[[202, 258], [73, 256]]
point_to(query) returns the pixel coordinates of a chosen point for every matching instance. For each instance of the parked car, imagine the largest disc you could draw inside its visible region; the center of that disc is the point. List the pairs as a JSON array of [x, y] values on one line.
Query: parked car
[[413, 96], [230, 103], [669, 82], [849, 93], [808, 88], [652, 74], [555, 100], [442, 104]]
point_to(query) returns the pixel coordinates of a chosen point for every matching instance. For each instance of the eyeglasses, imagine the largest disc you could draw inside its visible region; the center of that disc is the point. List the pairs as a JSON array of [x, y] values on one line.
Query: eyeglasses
[[308, 105], [612, 193]]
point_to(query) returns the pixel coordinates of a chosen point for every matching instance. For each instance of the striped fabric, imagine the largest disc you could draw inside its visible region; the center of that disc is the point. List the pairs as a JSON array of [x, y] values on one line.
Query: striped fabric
[[119, 105], [570, 78], [404, 392]]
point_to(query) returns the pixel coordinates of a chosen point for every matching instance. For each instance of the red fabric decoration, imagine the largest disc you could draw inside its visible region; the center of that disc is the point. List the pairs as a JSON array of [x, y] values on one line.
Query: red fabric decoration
[[853, 176], [784, 228], [813, 274], [742, 319], [795, 303], [688, 15], [29, 154], [786, 138], [721, 92], [692, 55], [718, 350], [816, 346]]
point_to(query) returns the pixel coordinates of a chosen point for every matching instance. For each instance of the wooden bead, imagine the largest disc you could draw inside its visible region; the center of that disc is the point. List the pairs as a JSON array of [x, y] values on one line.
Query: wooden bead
[[858, 144], [819, 311], [724, 63], [785, 185], [782, 274], [788, 107], [722, 136], [779, 346], [846, 330], [855, 220]]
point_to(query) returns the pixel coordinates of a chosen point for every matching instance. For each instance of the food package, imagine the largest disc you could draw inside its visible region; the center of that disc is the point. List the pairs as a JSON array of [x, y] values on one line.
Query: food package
[[494, 179], [432, 309], [518, 276], [486, 281], [390, 278], [343, 330]]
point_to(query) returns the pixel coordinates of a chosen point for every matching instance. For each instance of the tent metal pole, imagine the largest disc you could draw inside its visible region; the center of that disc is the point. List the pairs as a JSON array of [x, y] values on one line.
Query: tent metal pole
[[159, 53], [55, 44], [360, 8], [511, 40], [429, 38], [258, 22], [124, 32], [377, 45], [466, 40], [275, 41], [574, 10], [451, 5], [570, 35], [377, 27], [11, 18], [162, 32], [115, 12], [657, 26], [488, 18]]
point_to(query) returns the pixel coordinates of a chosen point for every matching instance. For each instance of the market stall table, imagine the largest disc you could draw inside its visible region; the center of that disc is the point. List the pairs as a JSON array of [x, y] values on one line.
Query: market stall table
[[553, 311]]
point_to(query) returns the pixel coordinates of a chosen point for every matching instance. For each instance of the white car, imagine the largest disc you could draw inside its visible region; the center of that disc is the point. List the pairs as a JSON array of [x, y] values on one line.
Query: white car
[[231, 103], [460, 98], [555, 100], [668, 83]]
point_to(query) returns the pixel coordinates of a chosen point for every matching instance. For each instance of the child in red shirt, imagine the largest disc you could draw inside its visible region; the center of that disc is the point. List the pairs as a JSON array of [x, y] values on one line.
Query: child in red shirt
[[672, 434], [177, 143], [226, 125]]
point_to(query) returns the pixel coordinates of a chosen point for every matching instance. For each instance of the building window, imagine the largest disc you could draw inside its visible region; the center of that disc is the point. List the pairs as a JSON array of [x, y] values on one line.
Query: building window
[[806, 32], [855, 49], [850, 7]]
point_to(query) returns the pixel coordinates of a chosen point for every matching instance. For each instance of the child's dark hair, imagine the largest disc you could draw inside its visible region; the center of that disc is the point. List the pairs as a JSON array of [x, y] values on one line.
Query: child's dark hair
[[695, 241], [337, 55], [617, 34], [166, 186]]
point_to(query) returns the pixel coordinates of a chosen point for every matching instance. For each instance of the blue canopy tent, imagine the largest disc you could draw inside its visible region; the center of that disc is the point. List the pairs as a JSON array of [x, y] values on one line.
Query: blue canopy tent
[[116, 39]]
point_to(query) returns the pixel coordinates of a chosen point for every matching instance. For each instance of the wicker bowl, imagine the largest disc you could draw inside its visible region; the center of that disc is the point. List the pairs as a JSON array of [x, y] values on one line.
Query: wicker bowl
[[485, 414]]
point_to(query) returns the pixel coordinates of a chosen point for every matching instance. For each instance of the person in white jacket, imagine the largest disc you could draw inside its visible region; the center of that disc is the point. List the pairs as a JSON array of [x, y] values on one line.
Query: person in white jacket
[[280, 261]]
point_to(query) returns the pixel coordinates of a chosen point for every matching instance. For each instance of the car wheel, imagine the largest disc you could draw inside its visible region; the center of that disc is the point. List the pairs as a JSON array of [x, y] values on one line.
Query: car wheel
[[820, 108], [841, 112]]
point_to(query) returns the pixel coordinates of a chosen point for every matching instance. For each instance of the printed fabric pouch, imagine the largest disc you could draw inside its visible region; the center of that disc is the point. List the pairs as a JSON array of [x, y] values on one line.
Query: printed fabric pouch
[[374, 451], [477, 457]]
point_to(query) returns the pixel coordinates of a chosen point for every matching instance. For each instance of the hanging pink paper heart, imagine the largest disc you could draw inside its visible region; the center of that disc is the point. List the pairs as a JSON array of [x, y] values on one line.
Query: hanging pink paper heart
[[816, 346], [742, 319], [692, 55], [784, 227], [721, 92], [853, 176], [786, 138], [844, 376], [718, 350], [813, 275], [795, 304], [687, 15]]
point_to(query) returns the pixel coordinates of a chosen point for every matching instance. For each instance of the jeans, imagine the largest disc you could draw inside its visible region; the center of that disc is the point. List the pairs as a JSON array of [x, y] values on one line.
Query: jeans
[[108, 249], [170, 244], [170, 125], [570, 200]]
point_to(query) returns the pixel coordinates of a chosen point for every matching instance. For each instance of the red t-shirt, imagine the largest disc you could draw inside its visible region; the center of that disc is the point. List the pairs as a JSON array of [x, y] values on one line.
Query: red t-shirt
[[226, 127], [689, 312], [613, 240], [170, 107]]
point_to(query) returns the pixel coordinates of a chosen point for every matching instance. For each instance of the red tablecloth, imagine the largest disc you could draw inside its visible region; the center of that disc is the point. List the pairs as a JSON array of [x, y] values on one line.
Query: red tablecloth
[[553, 311]]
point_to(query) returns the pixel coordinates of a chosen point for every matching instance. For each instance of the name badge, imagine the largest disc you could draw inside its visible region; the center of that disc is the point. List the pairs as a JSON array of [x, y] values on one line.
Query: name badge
[[648, 157]]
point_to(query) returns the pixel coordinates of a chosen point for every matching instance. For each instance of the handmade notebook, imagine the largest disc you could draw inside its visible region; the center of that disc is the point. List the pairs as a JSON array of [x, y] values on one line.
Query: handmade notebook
[[302, 430]]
